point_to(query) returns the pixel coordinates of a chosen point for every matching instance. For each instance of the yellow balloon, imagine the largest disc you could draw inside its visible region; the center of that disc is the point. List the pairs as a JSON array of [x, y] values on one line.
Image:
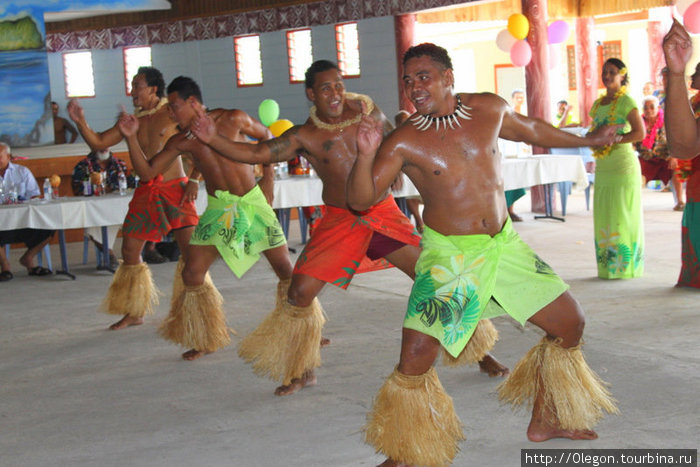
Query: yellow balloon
[[280, 126], [518, 25]]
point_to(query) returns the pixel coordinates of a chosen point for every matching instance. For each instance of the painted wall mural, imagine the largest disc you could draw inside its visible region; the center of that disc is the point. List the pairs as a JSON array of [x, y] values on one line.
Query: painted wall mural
[[25, 100]]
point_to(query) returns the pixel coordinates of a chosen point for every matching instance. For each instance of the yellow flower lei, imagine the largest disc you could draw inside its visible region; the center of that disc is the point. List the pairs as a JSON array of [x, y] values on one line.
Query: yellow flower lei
[[603, 151]]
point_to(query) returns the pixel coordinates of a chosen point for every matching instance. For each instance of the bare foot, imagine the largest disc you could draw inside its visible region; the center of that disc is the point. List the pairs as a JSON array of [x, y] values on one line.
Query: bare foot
[[125, 322], [392, 463], [492, 367], [194, 354], [325, 342], [544, 426], [308, 379]]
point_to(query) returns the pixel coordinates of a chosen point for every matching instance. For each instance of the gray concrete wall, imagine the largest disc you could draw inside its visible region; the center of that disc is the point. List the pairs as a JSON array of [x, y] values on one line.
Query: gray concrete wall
[[211, 63]]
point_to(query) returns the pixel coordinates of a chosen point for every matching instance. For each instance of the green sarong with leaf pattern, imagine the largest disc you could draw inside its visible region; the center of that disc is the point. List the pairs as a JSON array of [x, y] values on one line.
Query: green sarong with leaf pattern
[[240, 227], [461, 279]]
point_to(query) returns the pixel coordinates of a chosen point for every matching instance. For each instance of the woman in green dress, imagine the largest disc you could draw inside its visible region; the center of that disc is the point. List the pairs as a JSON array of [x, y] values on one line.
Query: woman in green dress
[[617, 199]]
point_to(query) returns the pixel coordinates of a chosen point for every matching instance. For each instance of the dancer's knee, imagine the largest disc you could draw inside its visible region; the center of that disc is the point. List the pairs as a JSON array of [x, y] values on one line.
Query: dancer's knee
[[418, 352], [192, 276], [303, 290]]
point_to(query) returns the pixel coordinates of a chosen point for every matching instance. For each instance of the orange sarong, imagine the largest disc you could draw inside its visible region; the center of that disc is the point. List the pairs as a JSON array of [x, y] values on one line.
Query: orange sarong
[[155, 210], [337, 250]]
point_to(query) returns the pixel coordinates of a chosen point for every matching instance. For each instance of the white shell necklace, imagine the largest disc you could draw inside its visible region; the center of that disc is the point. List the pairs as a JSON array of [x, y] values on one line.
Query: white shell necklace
[[423, 122]]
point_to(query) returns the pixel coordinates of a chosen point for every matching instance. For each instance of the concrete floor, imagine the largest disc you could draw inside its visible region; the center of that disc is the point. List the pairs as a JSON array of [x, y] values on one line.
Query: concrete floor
[[74, 394]]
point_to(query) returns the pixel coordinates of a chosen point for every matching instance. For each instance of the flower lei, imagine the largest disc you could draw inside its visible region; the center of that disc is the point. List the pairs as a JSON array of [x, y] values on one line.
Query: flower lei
[[650, 138], [603, 151], [695, 104]]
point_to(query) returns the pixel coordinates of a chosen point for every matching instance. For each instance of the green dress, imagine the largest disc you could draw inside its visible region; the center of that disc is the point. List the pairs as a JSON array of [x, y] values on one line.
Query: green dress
[[617, 200]]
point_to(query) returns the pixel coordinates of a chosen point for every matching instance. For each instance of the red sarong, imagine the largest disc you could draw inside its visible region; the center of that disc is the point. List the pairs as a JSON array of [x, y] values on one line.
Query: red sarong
[[155, 210], [337, 250]]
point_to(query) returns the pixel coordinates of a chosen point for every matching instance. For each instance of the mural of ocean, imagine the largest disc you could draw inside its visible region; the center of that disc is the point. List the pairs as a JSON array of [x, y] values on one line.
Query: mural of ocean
[[25, 111]]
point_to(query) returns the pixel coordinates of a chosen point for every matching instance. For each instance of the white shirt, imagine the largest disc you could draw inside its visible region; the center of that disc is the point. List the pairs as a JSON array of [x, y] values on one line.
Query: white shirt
[[22, 179]]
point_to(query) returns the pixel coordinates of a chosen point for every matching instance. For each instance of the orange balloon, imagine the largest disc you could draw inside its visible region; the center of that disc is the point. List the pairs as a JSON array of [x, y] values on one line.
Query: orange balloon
[[518, 25]]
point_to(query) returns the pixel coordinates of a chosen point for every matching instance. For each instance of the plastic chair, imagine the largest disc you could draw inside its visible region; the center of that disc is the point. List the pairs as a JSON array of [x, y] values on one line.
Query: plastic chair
[[86, 248]]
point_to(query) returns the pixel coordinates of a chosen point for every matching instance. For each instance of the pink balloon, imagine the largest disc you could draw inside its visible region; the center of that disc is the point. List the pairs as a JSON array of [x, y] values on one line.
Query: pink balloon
[[520, 53], [554, 55], [691, 18], [558, 32], [505, 40]]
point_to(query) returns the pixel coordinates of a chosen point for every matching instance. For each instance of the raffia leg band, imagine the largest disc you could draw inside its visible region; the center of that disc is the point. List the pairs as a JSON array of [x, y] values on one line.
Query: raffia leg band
[[571, 390], [413, 421], [197, 320], [288, 341], [132, 292], [482, 341]]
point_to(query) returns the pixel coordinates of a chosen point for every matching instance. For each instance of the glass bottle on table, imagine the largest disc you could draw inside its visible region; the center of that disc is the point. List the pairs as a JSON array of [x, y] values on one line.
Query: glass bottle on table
[[122, 183]]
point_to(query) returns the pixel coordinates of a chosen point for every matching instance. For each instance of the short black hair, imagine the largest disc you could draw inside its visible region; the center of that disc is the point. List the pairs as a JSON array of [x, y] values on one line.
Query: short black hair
[[563, 101], [435, 52], [619, 64], [185, 87], [153, 78], [319, 66]]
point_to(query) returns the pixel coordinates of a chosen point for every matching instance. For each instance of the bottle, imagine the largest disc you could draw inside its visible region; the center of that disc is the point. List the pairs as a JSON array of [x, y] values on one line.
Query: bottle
[[48, 191], [137, 179], [122, 183]]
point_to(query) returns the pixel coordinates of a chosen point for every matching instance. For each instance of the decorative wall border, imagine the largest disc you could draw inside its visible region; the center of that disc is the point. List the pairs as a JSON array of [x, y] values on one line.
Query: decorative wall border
[[250, 22]]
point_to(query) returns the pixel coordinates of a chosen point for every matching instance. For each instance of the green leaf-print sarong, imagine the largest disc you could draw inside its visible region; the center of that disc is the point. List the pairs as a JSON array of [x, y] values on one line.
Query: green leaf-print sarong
[[462, 279], [241, 227]]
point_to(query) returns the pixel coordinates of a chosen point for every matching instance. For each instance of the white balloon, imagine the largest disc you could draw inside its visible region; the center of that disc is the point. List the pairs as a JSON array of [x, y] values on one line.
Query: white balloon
[[505, 40]]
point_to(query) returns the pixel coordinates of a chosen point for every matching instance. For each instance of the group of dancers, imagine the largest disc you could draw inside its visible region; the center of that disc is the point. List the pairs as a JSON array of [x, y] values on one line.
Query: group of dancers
[[469, 264]]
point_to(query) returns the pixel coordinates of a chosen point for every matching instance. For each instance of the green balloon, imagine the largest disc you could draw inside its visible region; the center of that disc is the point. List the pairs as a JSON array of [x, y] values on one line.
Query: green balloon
[[268, 111]]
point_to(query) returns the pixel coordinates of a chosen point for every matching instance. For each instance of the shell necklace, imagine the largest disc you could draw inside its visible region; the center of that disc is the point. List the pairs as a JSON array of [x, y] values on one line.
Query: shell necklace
[[423, 122], [140, 112], [345, 123]]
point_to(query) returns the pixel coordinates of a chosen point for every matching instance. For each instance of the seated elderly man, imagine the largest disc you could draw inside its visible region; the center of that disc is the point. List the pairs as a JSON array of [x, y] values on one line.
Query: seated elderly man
[[19, 179], [110, 168]]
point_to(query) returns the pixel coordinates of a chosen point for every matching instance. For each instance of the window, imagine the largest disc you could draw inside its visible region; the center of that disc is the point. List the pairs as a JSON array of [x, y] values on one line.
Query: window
[[248, 60], [77, 70], [300, 54], [348, 46], [134, 58]]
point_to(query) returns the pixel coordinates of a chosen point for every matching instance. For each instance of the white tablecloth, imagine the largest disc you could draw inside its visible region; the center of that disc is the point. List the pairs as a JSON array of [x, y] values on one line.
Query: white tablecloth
[[95, 211]]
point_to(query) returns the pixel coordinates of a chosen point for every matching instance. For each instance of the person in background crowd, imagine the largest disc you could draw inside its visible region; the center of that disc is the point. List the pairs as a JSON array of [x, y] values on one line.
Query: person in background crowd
[[19, 180], [61, 126], [654, 156], [103, 162], [564, 119]]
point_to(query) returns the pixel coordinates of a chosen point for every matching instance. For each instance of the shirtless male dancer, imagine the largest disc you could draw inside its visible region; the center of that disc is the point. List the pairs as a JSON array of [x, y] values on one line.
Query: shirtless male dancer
[[159, 206], [238, 224], [448, 148], [345, 241]]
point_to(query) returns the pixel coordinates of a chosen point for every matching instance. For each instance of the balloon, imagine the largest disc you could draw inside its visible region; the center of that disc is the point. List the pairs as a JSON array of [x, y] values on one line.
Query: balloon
[[280, 126], [691, 18], [558, 32], [504, 40], [554, 56], [518, 25], [682, 5], [268, 111], [520, 53]]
